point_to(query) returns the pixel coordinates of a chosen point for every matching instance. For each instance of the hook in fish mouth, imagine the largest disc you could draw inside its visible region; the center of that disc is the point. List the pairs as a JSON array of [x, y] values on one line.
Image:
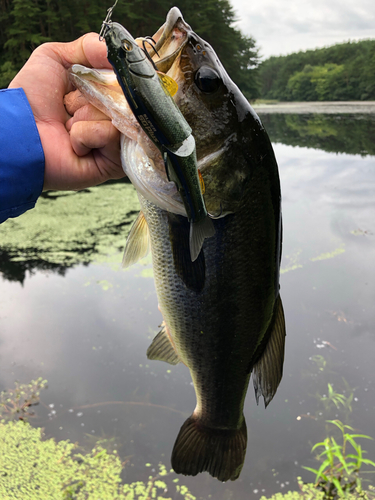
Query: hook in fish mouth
[[169, 40], [152, 44]]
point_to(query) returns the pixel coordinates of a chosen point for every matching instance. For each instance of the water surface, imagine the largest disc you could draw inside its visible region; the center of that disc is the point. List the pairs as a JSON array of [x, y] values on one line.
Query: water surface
[[69, 313]]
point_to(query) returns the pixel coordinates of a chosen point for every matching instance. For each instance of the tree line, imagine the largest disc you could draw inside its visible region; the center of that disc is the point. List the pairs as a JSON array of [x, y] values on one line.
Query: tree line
[[341, 72], [25, 24]]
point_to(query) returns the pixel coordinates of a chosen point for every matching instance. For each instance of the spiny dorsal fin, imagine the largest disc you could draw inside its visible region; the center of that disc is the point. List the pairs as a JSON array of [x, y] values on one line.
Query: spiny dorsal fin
[[268, 370], [161, 349], [138, 242]]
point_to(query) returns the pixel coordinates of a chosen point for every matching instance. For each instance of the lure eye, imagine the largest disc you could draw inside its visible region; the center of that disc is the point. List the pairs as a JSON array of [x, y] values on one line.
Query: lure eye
[[127, 45], [207, 80]]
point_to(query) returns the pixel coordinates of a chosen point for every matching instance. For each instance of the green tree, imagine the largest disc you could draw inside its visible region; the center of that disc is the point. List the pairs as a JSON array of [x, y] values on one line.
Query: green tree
[[24, 24], [300, 86], [24, 32], [340, 72]]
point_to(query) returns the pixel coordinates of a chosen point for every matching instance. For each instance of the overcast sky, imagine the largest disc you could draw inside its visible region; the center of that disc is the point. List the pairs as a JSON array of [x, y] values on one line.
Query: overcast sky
[[284, 26]]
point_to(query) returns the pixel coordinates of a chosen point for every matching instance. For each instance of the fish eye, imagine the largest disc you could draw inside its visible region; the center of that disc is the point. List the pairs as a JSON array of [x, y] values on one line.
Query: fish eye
[[207, 80]]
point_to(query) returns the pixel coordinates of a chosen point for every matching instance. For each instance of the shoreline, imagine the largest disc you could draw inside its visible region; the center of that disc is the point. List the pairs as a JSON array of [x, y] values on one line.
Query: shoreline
[[324, 107]]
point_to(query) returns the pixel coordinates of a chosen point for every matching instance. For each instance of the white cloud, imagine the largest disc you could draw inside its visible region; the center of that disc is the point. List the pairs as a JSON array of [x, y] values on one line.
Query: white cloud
[[282, 27]]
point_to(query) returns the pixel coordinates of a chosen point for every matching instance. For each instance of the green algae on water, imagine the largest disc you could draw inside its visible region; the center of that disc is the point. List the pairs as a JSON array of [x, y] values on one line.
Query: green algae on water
[[69, 228], [40, 469], [329, 255]]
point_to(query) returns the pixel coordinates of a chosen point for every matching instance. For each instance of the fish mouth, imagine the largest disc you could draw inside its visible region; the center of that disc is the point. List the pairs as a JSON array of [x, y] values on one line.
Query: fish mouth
[[170, 40]]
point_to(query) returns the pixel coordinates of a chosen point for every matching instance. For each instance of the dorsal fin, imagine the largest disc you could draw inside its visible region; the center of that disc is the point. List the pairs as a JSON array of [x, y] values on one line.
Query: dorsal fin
[[138, 242], [162, 349], [268, 370]]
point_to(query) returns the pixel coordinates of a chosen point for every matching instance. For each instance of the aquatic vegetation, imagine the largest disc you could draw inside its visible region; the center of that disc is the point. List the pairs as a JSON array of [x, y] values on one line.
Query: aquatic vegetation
[[309, 492], [334, 395], [336, 401], [49, 469], [339, 471], [292, 262], [329, 255], [343, 467], [16, 403], [69, 228], [319, 361], [46, 469], [154, 487]]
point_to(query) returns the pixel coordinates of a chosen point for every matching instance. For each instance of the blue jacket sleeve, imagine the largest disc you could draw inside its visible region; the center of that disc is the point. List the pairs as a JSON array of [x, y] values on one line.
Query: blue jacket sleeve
[[21, 155]]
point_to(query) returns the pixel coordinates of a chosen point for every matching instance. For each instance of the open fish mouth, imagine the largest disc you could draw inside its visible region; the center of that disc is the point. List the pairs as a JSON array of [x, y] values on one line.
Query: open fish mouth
[[170, 40]]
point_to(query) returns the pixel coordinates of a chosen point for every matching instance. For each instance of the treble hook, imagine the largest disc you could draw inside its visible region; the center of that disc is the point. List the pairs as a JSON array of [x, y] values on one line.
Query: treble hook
[[107, 21], [149, 39]]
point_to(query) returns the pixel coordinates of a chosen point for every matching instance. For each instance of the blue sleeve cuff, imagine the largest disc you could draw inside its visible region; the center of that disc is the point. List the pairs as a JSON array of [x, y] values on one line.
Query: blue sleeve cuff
[[21, 155]]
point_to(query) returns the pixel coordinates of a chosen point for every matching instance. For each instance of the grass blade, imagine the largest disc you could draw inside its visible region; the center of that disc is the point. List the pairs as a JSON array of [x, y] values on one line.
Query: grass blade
[[336, 482]]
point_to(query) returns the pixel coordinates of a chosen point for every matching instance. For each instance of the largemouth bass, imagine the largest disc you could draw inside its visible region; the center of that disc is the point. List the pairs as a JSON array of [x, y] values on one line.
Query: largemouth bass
[[223, 316]]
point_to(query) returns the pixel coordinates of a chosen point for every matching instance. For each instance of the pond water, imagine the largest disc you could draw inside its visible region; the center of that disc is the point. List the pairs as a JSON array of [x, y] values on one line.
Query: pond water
[[70, 314]]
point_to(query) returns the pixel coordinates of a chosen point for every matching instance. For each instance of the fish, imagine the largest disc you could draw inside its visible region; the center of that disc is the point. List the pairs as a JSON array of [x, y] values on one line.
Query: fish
[[160, 118], [222, 314]]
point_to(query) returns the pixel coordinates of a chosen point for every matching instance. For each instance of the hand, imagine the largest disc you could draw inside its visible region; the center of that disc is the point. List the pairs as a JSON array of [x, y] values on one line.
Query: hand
[[90, 154]]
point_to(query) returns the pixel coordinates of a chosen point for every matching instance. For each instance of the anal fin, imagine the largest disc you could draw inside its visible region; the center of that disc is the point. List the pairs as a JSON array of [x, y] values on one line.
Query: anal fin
[[138, 242], [268, 370], [162, 349]]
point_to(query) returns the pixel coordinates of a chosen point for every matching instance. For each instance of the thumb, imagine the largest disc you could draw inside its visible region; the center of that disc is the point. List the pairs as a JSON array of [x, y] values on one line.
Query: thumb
[[86, 50]]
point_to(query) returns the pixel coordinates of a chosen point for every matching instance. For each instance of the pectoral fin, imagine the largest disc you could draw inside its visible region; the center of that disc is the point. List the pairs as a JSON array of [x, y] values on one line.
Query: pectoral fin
[[162, 349], [268, 370], [138, 242]]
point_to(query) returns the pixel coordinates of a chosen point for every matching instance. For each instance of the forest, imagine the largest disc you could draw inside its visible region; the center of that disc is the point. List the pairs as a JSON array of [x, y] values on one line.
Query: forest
[[342, 72], [25, 24]]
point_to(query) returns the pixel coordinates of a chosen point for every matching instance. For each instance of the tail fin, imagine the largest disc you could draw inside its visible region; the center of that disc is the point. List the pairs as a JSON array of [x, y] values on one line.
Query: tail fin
[[220, 452], [198, 232]]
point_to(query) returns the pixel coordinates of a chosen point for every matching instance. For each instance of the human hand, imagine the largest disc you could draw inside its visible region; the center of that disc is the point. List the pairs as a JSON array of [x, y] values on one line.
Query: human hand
[[90, 154]]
